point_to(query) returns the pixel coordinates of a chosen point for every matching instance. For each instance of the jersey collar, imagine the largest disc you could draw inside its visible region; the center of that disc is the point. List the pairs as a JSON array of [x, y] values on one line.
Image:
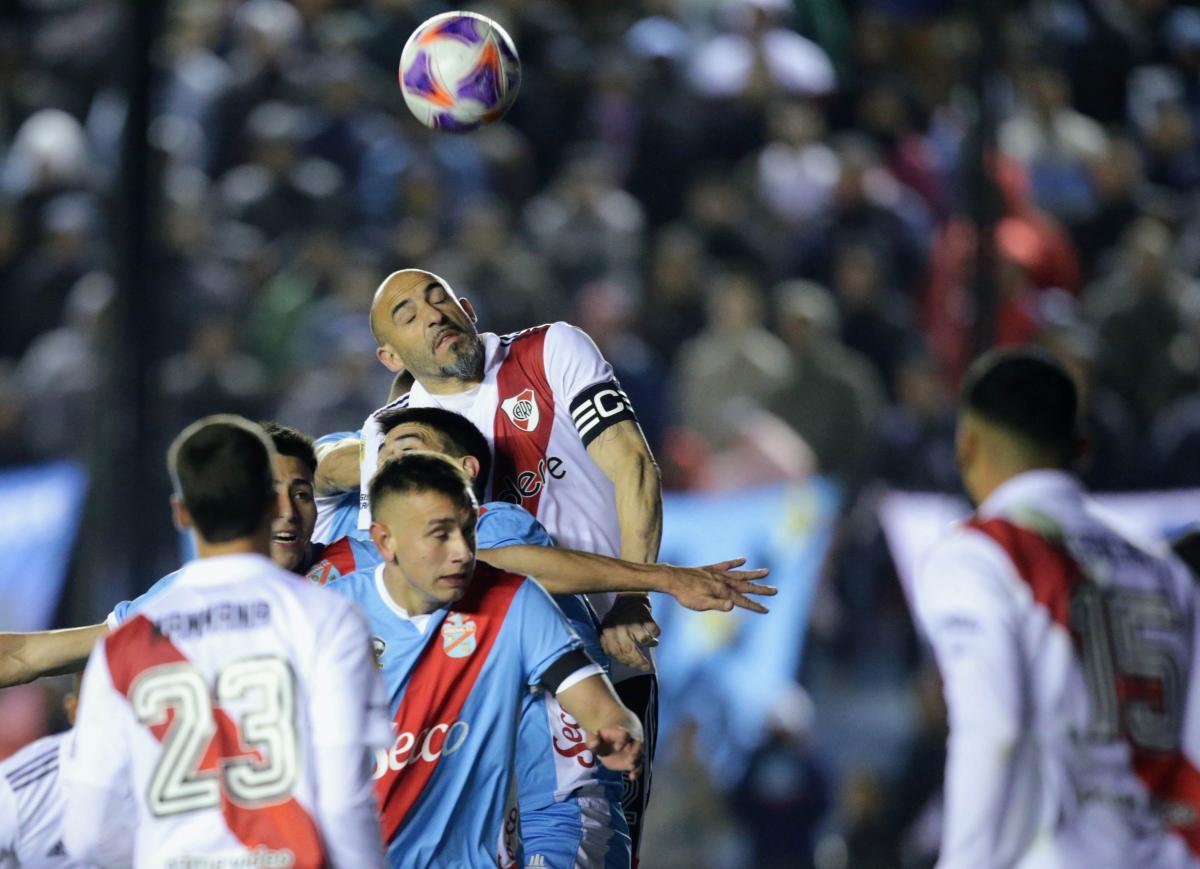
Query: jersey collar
[[219, 569], [1032, 488], [420, 622]]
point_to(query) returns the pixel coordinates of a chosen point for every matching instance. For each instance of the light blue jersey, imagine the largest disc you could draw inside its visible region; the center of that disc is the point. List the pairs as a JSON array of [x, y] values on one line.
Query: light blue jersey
[[570, 803], [337, 514], [456, 679]]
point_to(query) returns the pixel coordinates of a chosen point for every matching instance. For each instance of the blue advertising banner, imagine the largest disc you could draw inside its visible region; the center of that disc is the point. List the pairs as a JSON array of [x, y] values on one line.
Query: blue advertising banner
[[726, 670], [40, 508]]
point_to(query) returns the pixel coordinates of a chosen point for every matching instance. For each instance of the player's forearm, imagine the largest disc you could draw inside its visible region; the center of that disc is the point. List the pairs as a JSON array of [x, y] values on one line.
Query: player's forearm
[[337, 468], [594, 704], [28, 656], [568, 571]]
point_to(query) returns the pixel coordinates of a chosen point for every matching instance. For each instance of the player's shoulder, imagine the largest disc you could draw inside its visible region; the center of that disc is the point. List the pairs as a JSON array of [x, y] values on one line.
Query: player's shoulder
[[967, 561], [33, 760], [337, 559], [502, 523]]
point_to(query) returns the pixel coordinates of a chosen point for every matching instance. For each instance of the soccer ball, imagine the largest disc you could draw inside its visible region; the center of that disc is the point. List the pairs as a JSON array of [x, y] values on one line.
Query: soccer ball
[[459, 70]]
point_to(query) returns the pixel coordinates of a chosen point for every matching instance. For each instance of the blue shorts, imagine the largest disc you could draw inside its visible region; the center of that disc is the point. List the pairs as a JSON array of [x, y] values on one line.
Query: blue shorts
[[585, 831]]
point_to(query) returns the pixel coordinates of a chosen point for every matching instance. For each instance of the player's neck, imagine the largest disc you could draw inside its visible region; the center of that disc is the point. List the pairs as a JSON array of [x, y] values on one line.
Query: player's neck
[[449, 385], [406, 596], [240, 546]]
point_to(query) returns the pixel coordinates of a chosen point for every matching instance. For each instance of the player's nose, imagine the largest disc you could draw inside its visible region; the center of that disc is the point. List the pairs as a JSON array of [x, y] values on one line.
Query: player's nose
[[283, 504]]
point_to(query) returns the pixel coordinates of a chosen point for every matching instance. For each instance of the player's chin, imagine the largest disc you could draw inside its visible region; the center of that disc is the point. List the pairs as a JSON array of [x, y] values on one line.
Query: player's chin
[[453, 587], [287, 556]]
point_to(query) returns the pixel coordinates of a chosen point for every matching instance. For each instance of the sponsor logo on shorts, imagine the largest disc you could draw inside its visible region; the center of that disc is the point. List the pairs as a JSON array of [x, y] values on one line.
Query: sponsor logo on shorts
[[458, 636], [522, 409], [573, 744], [425, 746]]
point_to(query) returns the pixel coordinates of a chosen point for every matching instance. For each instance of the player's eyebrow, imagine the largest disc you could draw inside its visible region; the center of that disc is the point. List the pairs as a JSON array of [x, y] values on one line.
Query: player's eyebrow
[[400, 304], [440, 522]]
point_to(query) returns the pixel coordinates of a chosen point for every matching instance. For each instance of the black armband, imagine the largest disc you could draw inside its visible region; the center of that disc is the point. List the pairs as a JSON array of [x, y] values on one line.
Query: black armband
[[599, 406], [569, 664]]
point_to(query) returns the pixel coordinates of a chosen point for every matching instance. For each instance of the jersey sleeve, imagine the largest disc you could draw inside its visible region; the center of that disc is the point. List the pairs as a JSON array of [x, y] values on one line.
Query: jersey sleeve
[[95, 772], [970, 618], [8, 823], [126, 609], [349, 720], [504, 524], [582, 377], [545, 634]]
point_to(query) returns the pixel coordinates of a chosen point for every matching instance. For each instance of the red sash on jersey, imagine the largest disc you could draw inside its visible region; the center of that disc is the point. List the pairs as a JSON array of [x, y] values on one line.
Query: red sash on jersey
[[1052, 575], [519, 472], [332, 561], [137, 647], [437, 690]]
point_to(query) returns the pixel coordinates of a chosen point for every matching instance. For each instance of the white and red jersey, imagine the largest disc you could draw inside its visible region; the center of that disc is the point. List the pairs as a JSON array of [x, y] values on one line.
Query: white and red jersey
[[1068, 653], [228, 723], [546, 394], [31, 806]]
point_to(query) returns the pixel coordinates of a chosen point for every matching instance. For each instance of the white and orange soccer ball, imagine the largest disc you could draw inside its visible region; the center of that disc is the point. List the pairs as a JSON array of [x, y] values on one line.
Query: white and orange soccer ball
[[459, 70]]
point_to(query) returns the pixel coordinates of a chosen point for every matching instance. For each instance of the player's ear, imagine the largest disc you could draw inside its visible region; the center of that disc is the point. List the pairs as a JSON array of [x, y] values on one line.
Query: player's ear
[[180, 515], [383, 541], [470, 464], [469, 308], [388, 358]]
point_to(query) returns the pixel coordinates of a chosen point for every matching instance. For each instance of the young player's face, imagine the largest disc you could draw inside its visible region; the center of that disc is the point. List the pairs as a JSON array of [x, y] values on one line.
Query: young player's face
[[431, 540], [424, 328], [292, 530]]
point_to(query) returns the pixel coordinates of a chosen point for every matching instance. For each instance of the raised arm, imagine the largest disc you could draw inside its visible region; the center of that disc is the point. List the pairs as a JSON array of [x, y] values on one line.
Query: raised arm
[[28, 656], [613, 732], [568, 571], [622, 453], [337, 467]]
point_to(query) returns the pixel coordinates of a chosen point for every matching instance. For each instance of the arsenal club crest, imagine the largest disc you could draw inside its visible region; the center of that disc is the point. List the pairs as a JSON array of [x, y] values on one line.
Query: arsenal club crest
[[522, 409], [458, 636]]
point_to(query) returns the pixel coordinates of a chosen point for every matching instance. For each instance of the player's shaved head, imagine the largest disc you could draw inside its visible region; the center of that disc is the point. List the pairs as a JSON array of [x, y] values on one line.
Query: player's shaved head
[[421, 326], [402, 280], [221, 467]]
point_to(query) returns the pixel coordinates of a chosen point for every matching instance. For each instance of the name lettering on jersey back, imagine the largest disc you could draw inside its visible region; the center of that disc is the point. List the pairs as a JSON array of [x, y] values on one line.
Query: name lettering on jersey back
[[424, 746], [221, 617], [526, 485]]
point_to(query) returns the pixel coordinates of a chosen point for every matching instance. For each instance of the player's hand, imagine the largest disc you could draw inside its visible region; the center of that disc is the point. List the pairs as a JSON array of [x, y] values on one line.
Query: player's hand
[[718, 587], [628, 626], [617, 749]]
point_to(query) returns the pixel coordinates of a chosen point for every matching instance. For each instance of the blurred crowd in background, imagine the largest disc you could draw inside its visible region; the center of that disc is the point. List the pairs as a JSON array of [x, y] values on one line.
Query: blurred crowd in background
[[756, 208]]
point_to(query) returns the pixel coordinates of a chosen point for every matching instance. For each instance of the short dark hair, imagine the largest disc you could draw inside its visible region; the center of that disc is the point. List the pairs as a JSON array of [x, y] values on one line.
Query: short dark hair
[[463, 438], [422, 472], [291, 442], [221, 468], [1029, 393]]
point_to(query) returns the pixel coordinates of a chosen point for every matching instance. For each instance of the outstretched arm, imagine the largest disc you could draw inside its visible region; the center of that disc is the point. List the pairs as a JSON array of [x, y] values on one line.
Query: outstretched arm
[[568, 571], [613, 732], [28, 656]]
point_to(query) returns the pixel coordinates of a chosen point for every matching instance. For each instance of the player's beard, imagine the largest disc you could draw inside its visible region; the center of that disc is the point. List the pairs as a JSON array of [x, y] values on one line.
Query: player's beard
[[468, 359]]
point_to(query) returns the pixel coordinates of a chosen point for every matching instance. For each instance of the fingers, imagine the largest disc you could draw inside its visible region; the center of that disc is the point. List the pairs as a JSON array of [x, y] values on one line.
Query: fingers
[[752, 605], [726, 565], [618, 645], [754, 588], [743, 575]]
